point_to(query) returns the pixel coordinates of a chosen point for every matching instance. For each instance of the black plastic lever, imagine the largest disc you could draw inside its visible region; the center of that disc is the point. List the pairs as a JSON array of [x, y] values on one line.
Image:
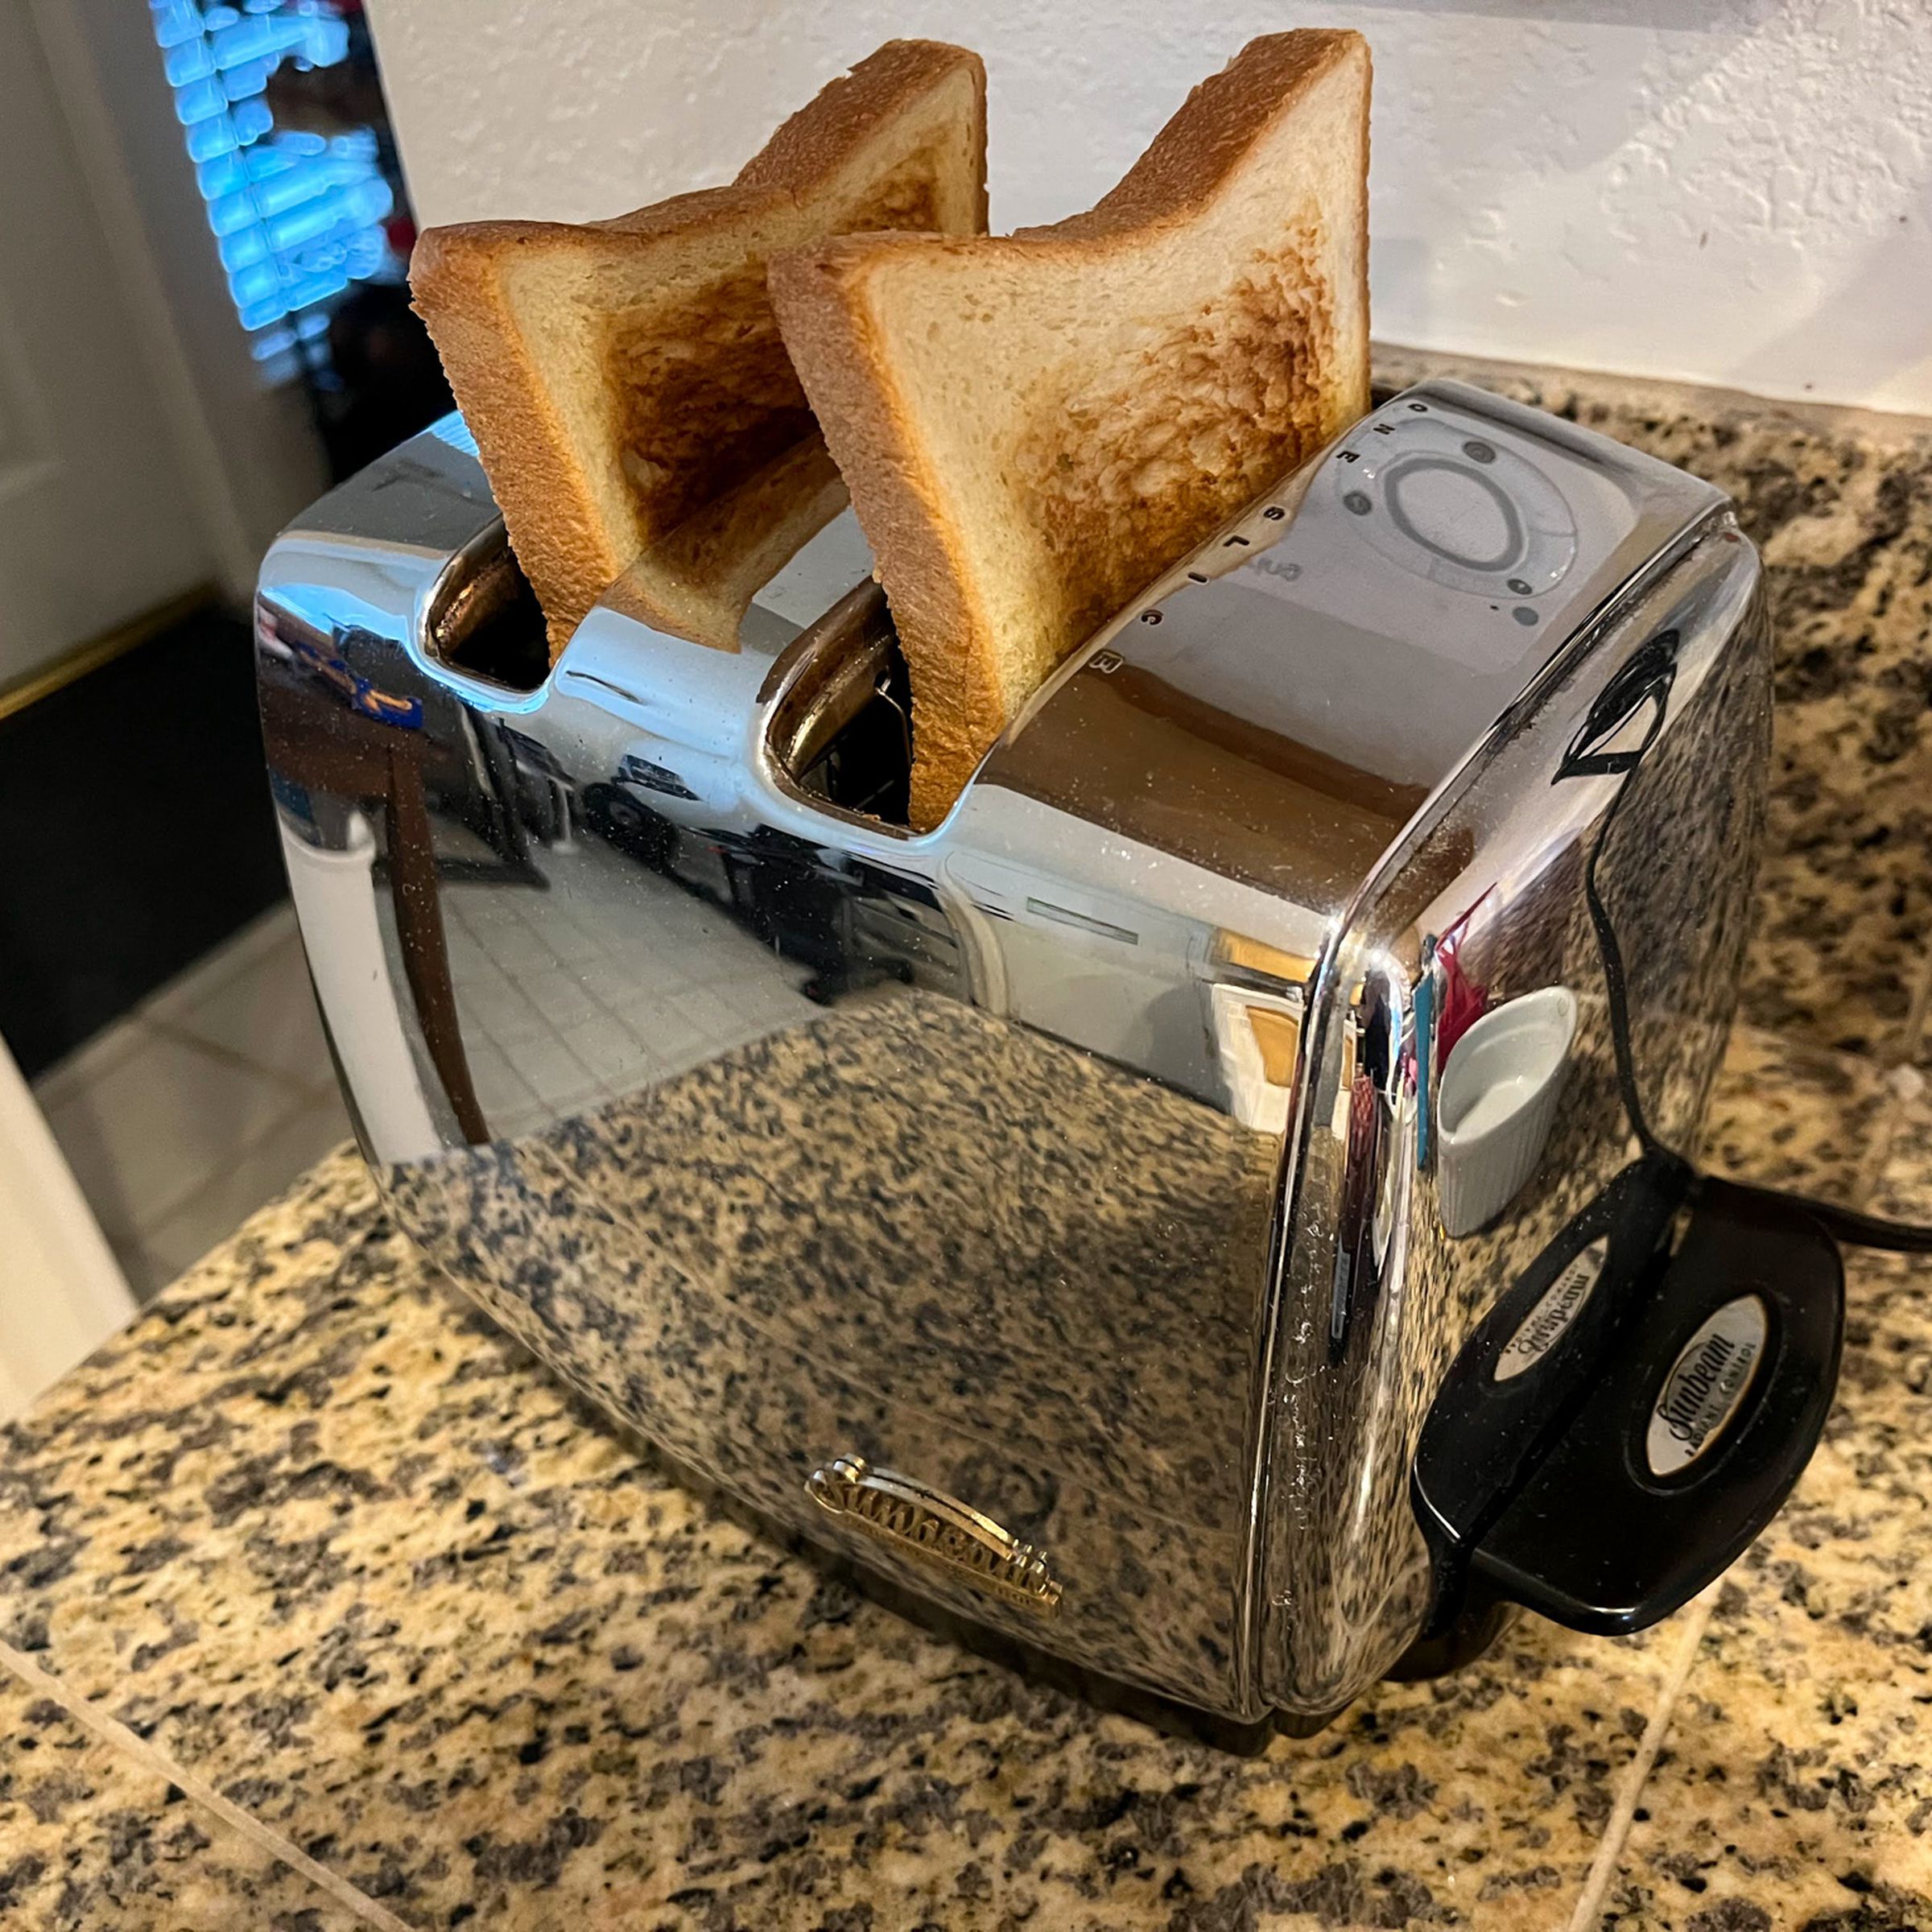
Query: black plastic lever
[[1635, 1409]]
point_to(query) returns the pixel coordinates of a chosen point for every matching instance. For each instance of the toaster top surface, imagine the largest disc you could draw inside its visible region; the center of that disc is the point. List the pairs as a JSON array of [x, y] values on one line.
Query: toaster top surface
[[1443, 552], [1275, 708]]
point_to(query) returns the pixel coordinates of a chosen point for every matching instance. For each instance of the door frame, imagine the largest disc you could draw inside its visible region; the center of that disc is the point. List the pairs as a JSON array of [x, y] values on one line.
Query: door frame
[[264, 464]]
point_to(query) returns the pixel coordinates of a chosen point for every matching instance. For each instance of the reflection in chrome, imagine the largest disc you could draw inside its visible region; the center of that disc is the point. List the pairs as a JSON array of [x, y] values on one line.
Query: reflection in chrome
[[1080, 1155], [1500, 1091]]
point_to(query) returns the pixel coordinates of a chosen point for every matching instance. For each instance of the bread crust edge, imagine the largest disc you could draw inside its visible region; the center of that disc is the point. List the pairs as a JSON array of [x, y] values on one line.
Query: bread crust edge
[[456, 280], [824, 297]]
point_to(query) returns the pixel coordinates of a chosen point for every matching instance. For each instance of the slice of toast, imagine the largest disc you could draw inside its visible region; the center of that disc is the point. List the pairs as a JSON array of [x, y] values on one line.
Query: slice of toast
[[1035, 426], [624, 380]]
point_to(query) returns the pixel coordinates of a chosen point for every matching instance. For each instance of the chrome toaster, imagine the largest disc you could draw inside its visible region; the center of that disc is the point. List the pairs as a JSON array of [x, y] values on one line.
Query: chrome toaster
[[1216, 1211]]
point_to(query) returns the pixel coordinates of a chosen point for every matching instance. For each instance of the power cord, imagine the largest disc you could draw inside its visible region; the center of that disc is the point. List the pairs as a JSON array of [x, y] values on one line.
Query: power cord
[[1647, 679]]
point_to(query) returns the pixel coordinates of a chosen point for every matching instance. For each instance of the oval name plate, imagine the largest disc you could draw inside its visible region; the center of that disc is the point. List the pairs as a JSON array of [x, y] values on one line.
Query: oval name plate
[[1707, 1385], [1556, 1308], [917, 1522]]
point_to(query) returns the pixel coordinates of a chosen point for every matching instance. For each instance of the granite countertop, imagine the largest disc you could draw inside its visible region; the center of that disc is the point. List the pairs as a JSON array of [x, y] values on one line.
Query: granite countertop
[[322, 1605]]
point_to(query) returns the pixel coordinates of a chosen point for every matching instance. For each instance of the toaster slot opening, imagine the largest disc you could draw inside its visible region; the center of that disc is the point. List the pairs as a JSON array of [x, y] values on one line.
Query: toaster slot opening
[[483, 618], [840, 732]]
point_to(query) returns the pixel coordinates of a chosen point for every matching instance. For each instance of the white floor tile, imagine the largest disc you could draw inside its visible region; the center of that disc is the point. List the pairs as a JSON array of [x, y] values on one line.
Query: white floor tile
[[89, 1063], [251, 1179], [572, 945], [615, 1056], [548, 1068], [266, 1014], [716, 1017], [157, 1124], [517, 947], [501, 1092], [654, 969], [261, 936], [665, 1031], [560, 995]]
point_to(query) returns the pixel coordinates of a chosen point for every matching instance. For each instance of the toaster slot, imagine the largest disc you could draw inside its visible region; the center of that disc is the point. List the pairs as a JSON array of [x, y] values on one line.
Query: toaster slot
[[484, 619], [839, 730]]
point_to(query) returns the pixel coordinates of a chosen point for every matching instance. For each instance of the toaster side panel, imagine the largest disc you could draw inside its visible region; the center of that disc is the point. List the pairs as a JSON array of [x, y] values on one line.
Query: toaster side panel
[[1422, 1185]]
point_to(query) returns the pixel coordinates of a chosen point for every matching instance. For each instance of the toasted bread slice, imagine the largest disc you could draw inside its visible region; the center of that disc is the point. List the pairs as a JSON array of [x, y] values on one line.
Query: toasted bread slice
[[633, 404], [1034, 427]]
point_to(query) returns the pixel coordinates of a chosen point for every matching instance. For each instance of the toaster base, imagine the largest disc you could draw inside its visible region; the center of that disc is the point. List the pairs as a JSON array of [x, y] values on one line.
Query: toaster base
[[1113, 1695]]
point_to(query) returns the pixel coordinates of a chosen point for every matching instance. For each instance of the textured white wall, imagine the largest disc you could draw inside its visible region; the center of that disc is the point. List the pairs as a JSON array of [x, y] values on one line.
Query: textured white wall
[[1728, 190]]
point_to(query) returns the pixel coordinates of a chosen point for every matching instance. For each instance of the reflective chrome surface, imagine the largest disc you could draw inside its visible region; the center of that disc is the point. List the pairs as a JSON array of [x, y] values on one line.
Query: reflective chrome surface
[[1074, 1159]]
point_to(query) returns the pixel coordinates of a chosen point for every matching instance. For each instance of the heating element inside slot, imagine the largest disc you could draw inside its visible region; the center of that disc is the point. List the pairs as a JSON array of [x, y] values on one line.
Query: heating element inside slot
[[840, 732], [485, 618]]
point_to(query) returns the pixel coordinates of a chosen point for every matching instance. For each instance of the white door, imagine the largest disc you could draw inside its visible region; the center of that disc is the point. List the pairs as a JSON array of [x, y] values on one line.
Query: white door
[[96, 526], [62, 1293]]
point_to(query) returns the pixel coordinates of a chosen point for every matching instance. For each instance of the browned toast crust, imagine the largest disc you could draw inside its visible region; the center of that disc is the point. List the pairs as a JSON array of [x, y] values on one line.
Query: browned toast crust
[[958, 706], [805, 151], [702, 396], [1084, 467]]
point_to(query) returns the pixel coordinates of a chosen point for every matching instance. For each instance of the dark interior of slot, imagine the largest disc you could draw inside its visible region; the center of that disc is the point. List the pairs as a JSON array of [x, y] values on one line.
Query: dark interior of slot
[[841, 731], [489, 623]]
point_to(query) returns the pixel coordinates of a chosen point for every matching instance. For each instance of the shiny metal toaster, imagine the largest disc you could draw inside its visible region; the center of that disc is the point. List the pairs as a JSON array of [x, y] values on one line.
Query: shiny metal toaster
[[1060, 1212]]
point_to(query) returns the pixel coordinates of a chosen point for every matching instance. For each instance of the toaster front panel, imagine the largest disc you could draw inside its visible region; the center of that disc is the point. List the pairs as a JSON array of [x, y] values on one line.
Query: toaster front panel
[[797, 1158], [906, 1232], [763, 1302]]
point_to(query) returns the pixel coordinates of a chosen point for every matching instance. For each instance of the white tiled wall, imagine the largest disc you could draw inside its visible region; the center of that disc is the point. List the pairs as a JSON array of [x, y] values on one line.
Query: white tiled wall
[[208, 1100]]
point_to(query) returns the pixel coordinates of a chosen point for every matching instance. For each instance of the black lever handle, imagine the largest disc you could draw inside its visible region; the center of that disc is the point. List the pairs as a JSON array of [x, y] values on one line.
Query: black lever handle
[[1636, 1408]]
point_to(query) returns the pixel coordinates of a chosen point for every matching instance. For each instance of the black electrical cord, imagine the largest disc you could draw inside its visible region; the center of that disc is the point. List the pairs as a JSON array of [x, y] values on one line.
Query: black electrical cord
[[1616, 982], [1847, 1224], [1647, 679]]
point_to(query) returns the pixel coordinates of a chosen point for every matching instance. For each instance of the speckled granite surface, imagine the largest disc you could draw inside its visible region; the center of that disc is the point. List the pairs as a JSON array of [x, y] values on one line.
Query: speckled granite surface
[[338, 1547], [347, 1554], [88, 1838]]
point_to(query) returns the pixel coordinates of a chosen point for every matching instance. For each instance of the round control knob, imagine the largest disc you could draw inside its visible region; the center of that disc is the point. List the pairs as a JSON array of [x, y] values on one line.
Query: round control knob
[[1471, 513], [1455, 511]]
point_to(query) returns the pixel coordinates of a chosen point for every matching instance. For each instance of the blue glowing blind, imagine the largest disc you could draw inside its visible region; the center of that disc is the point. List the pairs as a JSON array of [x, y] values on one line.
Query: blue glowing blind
[[297, 216]]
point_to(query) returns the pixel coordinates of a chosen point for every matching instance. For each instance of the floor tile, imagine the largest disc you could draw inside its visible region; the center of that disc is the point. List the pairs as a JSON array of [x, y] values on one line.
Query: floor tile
[[719, 1019], [265, 1013], [254, 1175], [209, 975], [87, 1064], [90, 1839], [158, 1125], [1794, 1788], [501, 1092], [667, 1032], [615, 1055], [497, 1006], [560, 995], [551, 1070], [519, 948], [571, 944]]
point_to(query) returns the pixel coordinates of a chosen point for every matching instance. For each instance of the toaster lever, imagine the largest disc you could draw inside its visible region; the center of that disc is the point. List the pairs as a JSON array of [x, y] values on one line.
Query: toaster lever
[[1631, 1415]]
